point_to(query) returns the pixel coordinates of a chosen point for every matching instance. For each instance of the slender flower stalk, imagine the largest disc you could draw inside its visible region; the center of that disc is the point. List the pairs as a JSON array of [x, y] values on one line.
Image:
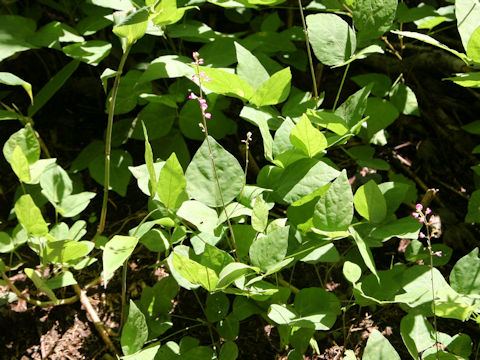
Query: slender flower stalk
[[200, 77], [425, 217]]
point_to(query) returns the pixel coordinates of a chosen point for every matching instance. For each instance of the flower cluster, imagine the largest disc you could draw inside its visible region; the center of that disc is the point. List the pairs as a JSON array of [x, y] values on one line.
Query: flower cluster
[[198, 78], [421, 216]]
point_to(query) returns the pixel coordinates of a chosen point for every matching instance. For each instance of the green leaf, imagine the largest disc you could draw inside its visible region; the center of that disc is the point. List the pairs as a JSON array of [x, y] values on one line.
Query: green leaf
[[260, 215], [379, 348], [195, 272], [13, 80], [382, 113], [404, 99], [228, 351], [90, 52], [417, 333], [167, 13], [56, 184], [364, 250], [332, 39], [467, 13], [172, 183], [135, 330], [229, 327], [406, 228], [334, 210], [149, 162], [228, 84], [267, 251], [465, 275], [40, 284], [370, 202], [133, 26], [64, 279], [232, 272], [15, 31], [202, 181], [302, 178], [217, 306], [200, 215], [145, 354], [51, 34], [52, 86], [116, 252], [307, 138], [473, 214], [328, 120], [30, 216], [26, 139], [260, 118], [273, 91], [381, 83], [249, 68], [429, 40], [467, 80], [20, 165], [120, 160], [473, 47], [351, 271], [167, 66], [63, 251], [316, 301], [73, 205], [373, 17]]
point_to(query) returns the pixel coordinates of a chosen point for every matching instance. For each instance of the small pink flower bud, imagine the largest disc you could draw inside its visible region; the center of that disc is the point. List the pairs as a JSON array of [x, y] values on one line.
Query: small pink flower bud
[[437, 253], [415, 215], [192, 96], [419, 207], [420, 220], [207, 79], [208, 115], [421, 235], [195, 55], [428, 211]]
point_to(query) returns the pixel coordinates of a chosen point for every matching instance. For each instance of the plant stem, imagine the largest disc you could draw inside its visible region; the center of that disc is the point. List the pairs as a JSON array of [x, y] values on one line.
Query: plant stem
[[309, 53], [433, 286], [341, 86], [108, 141]]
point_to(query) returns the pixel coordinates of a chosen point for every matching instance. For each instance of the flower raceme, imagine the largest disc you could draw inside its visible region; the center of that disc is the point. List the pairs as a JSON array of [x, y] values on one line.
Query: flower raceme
[[421, 216], [199, 77]]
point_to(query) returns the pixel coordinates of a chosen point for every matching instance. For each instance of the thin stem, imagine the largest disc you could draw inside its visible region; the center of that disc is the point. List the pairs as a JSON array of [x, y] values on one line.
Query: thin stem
[[205, 314], [309, 53], [341, 87], [108, 141], [433, 286], [124, 293]]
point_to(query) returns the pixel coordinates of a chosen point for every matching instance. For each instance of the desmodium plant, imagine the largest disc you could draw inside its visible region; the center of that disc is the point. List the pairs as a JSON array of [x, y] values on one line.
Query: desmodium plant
[[291, 228]]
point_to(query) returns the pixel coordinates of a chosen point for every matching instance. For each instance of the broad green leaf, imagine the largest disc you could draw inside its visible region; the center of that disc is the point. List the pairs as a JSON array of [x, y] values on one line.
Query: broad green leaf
[[20, 165], [280, 314], [406, 228], [15, 31], [133, 26], [232, 272], [63, 251], [364, 250], [135, 330], [228, 84], [354, 107], [217, 305], [381, 114], [116, 252], [260, 215], [52, 86], [317, 301], [13, 80], [429, 40], [73, 205], [334, 210], [26, 139], [373, 17], [90, 52], [148, 353], [64, 279], [273, 91], [30, 216], [302, 178], [229, 328], [200, 215], [228, 351], [249, 68], [328, 120], [167, 66], [381, 83], [307, 138], [149, 162], [120, 160], [473, 214], [53, 33], [56, 184], [379, 348], [201, 179], [465, 275], [260, 118], [351, 271], [473, 48], [267, 251], [166, 12], [467, 80], [332, 39], [172, 183], [40, 284], [195, 272], [404, 99], [417, 334], [370, 202], [143, 178], [467, 13]]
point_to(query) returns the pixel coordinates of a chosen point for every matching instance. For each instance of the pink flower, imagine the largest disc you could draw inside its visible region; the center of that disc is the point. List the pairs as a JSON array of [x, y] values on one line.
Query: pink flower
[[415, 215], [195, 55], [419, 207], [420, 220], [208, 115], [192, 96], [421, 235], [437, 253], [428, 211]]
